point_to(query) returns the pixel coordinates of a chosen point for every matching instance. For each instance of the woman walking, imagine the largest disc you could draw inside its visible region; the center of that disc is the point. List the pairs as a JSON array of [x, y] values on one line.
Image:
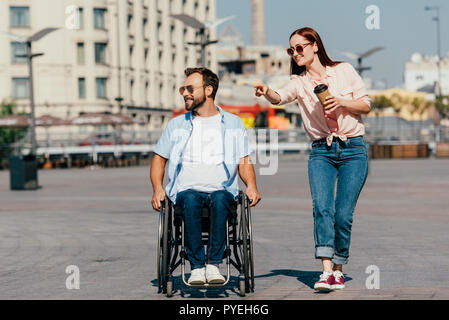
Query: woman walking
[[339, 153]]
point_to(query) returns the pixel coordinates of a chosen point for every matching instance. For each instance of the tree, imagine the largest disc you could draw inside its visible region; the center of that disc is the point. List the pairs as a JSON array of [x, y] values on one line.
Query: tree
[[442, 105], [379, 104], [8, 135], [400, 102]]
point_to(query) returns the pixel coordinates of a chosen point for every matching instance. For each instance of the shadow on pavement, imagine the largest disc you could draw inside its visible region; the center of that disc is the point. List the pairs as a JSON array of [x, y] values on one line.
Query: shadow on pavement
[[307, 277]]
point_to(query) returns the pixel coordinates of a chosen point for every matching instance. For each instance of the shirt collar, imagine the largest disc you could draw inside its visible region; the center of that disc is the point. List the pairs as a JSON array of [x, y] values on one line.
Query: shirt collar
[[330, 71], [189, 115]]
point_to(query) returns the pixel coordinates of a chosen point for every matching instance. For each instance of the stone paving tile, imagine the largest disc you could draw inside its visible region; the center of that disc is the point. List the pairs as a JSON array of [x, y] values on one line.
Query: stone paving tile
[[101, 221]]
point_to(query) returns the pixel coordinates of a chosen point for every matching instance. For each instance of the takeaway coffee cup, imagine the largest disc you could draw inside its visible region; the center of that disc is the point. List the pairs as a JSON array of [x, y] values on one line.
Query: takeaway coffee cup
[[321, 92]]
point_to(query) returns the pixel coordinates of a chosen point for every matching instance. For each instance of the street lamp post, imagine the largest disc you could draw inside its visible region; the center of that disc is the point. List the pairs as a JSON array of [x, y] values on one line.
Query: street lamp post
[[201, 27], [29, 56], [437, 19], [359, 57]]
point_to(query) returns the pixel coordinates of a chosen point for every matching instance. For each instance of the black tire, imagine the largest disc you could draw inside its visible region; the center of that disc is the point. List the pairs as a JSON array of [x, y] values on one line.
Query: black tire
[[244, 234], [251, 251], [159, 248], [165, 247]]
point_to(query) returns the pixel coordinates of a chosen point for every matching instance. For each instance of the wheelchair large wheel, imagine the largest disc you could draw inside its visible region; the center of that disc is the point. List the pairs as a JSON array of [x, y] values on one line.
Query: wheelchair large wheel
[[246, 248], [164, 249], [251, 251], [159, 249]]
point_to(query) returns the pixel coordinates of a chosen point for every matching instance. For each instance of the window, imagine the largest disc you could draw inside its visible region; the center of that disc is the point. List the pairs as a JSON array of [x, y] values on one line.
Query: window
[[17, 49], [145, 92], [130, 21], [82, 88], [145, 54], [19, 16], [144, 28], [80, 52], [99, 21], [20, 88], [159, 31], [100, 53], [172, 34], [131, 50], [100, 86], [131, 90], [195, 9], [80, 18]]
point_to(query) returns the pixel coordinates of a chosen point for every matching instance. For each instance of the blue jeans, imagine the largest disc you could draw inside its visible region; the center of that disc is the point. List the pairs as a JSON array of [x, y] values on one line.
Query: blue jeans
[[220, 202], [346, 161]]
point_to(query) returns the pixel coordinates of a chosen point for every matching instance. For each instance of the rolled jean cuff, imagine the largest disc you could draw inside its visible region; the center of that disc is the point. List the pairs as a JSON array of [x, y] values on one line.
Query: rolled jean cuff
[[340, 260], [324, 252], [196, 266]]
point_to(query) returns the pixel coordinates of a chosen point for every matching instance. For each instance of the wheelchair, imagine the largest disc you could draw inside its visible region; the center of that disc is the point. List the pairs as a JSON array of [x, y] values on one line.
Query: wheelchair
[[238, 248]]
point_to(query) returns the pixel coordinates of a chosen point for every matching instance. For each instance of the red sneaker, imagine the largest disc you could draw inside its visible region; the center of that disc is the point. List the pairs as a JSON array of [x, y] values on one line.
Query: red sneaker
[[326, 282], [339, 280]]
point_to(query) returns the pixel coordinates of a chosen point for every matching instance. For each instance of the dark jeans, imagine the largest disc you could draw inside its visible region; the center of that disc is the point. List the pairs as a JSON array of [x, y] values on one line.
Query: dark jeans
[[220, 203], [344, 162]]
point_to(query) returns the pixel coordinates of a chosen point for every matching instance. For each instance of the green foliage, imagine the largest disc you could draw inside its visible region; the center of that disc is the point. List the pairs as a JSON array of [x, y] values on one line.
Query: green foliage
[[8, 135], [442, 105], [379, 103]]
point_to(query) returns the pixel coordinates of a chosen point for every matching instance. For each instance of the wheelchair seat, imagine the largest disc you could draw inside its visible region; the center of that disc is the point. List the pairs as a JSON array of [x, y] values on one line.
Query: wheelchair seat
[[205, 214]]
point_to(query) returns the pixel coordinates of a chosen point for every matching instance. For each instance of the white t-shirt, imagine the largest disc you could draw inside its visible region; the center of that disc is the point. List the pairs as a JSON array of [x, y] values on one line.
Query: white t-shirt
[[202, 161]]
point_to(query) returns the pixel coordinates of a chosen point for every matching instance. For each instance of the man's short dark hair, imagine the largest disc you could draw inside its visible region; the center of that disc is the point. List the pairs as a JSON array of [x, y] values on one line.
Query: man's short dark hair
[[209, 78]]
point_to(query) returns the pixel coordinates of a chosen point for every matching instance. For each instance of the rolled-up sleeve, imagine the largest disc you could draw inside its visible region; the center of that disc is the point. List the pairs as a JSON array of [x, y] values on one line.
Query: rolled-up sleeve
[[357, 85], [289, 92], [244, 148], [163, 146]]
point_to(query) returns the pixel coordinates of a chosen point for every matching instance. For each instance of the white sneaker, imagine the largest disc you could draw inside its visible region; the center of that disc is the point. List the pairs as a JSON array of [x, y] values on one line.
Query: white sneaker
[[213, 275], [197, 276]]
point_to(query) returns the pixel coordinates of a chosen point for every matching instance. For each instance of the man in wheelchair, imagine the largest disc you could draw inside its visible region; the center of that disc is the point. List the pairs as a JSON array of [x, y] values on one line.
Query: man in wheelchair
[[206, 148]]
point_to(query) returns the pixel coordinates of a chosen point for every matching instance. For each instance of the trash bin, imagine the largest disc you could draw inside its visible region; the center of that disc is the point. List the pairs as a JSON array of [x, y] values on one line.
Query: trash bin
[[23, 172]]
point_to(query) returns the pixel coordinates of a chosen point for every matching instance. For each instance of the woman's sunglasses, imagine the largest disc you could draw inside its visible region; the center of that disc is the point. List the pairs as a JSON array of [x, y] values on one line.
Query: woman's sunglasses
[[299, 49]]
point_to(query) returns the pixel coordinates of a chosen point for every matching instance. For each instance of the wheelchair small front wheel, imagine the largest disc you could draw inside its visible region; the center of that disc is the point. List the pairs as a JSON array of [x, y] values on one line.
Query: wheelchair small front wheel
[[242, 288], [169, 289]]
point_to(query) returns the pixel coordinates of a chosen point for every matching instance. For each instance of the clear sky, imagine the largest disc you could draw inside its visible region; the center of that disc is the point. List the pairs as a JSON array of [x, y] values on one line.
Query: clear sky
[[405, 28]]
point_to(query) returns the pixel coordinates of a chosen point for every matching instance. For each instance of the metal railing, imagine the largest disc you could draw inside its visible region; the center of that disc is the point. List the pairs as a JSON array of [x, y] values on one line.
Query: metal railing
[[428, 134]]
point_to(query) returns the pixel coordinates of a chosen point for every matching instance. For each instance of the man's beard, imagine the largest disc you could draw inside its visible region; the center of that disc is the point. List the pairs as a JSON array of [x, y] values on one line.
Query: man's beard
[[197, 103]]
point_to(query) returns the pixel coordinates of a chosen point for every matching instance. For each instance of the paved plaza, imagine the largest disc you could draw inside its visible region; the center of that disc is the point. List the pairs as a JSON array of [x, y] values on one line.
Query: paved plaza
[[100, 220]]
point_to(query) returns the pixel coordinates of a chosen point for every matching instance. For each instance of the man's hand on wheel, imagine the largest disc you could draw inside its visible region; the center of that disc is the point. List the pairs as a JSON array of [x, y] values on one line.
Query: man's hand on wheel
[[158, 197], [253, 196]]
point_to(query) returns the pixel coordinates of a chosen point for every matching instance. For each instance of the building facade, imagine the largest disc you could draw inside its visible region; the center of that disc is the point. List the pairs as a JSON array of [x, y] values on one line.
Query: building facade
[[421, 74], [107, 55]]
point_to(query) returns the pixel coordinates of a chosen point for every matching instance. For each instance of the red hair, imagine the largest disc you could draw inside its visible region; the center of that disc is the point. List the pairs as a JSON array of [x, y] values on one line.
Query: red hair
[[311, 35]]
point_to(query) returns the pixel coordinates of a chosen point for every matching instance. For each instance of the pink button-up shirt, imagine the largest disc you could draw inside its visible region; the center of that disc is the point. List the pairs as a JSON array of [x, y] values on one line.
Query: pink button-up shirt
[[343, 82]]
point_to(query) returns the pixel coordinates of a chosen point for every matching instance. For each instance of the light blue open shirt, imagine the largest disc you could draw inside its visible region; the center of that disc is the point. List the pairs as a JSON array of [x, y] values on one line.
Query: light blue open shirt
[[176, 134]]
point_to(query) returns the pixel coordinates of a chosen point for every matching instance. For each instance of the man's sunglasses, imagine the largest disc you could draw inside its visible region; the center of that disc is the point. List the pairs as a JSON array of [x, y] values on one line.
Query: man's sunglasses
[[299, 49], [190, 89]]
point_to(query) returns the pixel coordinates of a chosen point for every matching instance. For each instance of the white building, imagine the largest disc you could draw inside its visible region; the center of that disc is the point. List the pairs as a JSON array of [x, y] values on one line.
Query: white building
[[247, 60], [421, 73], [104, 49]]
